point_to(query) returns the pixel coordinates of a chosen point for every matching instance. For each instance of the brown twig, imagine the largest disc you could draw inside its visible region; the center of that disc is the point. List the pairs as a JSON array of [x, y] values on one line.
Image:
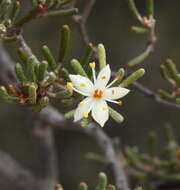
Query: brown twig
[[154, 96]]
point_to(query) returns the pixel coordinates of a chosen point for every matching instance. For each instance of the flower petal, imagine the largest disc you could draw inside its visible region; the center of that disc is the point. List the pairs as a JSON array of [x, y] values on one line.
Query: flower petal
[[115, 93], [82, 84], [83, 108], [103, 77], [100, 112]]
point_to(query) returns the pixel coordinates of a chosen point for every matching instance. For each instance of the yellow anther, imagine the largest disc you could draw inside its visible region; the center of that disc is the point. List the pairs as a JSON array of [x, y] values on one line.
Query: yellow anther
[[85, 115], [113, 92], [81, 103], [104, 108], [83, 84], [69, 85], [103, 77], [92, 65]]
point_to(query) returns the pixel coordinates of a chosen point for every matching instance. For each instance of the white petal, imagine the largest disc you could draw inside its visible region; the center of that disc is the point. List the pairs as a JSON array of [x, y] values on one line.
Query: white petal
[[100, 112], [103, 77], [84, 108], [115, 93], [82, 84]]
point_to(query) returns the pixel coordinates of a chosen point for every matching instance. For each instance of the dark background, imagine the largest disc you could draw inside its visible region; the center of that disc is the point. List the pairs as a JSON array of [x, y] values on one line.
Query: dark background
[[109, 24]]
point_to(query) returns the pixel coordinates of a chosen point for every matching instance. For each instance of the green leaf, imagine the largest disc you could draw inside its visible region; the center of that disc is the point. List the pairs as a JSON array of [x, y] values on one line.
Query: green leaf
[[32, 94], [42, 103], [62, 13], [102, 181], [51, 78], [31, 68], [69, 114], [3, 7], [15, 11], [20, 73], [101, 56], [133, 9], [83, 186], [42, 70], [77, 68], [133, 77], [49, 57], [116, 116], [173, 70], [64, 43], [87, 55], [150, 7], [64, 93]]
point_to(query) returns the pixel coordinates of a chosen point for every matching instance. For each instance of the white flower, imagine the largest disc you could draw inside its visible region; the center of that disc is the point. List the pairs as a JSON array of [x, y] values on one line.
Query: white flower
[[98, 94]]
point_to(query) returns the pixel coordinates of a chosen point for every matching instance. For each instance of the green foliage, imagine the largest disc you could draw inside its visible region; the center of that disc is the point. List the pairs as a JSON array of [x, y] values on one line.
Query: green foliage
[[11, 21], [147, 27], [102, 184], [171, 75], [39, 80], [150, 166]]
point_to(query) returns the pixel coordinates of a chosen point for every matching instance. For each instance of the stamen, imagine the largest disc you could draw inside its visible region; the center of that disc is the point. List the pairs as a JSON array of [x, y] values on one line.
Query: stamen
[[93, 65], [104, 108], [119, 102], [83, 84], [85, 115], [103, 77], [111, 83], [113, 92], [69, 85], [81, 104], [116, 102]]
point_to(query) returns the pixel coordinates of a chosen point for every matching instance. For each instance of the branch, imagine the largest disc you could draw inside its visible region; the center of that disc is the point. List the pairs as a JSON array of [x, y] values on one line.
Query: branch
[[6, 67], [116, 167], [81, 20], [154, 96], [44, 140], [16, 175], [54, 118]]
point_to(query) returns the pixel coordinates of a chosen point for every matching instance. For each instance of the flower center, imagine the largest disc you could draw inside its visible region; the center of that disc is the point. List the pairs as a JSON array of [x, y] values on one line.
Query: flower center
[[98, 94]]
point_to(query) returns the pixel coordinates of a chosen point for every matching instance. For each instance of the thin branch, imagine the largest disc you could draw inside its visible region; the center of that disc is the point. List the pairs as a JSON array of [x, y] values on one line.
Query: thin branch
[[87, 9], [154, 96], [81, 20], [150, 24]]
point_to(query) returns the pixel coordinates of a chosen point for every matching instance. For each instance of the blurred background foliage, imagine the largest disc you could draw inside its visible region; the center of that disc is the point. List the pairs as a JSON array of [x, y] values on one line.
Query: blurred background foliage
[[109, 24]]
